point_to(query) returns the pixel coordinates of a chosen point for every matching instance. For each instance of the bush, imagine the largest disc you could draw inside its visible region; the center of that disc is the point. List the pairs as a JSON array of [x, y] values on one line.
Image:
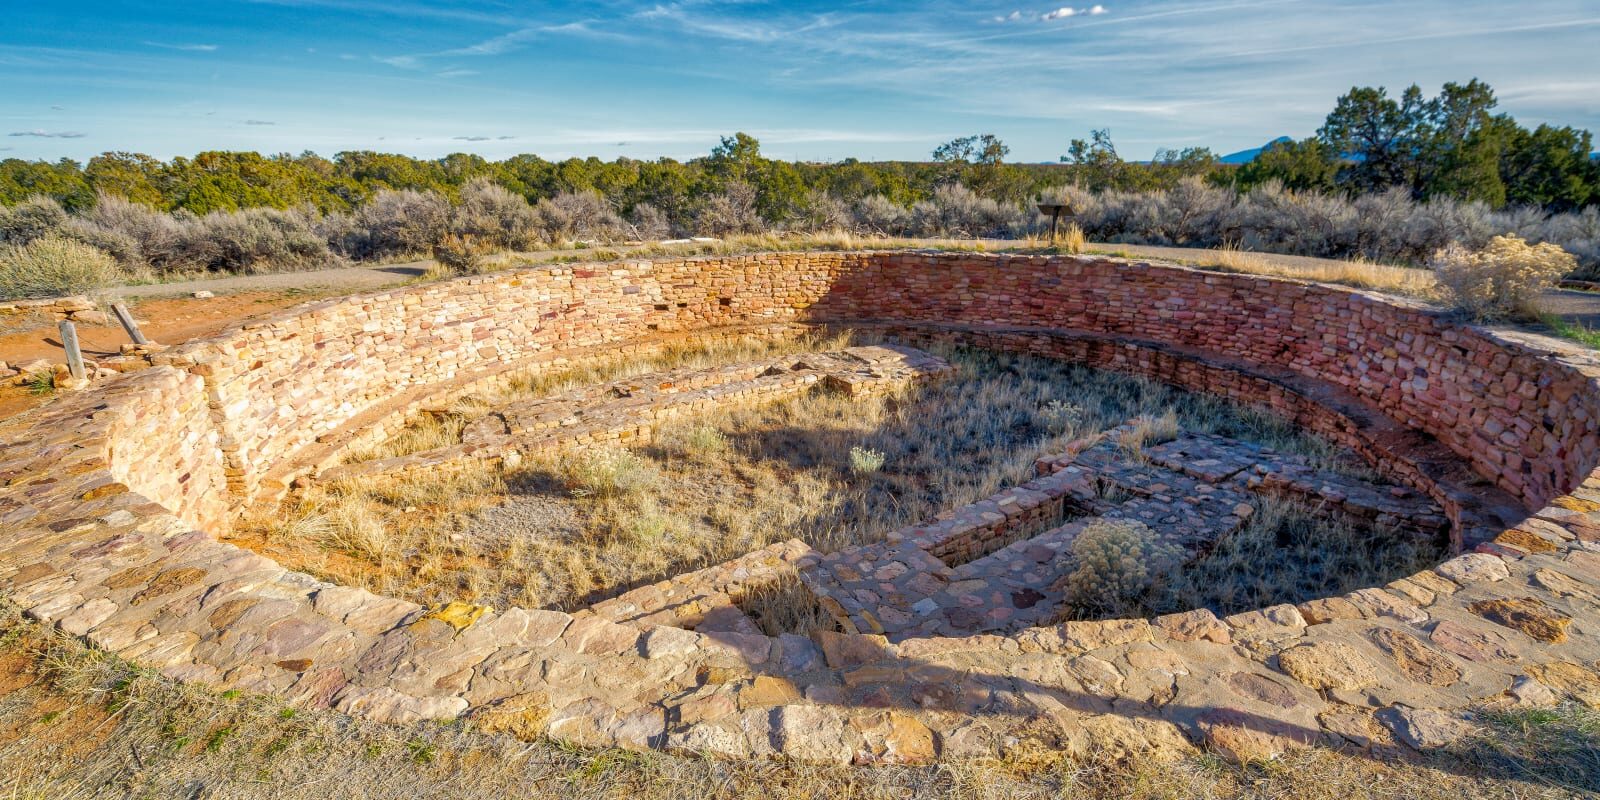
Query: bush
[[1061, 418], [649, 223], [460, 254], [395, 223], [494, 217], [865, 460], [571, 216], [700, 441], [876, 215], [34, 218], [1115, 563], [607, 472], [730, 213], [136, 234], [1502, 280], [54, 266], [256, 240]]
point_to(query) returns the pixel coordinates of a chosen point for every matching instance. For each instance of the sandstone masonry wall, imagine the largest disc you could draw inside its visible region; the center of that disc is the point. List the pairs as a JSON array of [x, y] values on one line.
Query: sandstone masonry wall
[[107, 497]]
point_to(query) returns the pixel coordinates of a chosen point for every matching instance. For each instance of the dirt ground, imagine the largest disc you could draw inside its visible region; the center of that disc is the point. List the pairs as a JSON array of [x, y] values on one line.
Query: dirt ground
[[169, 321]]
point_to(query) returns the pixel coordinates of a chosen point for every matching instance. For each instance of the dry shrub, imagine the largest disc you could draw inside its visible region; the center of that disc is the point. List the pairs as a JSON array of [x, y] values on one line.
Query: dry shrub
[[460, 253], [54, 266], [1504, 278], [1074, 241], [607, 472], [1117, 561], [865, 460], [1147, 430]]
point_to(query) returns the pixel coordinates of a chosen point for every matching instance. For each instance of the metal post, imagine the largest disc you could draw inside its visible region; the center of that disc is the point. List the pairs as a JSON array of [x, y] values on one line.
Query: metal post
[[69, 341], [128, 323], [1055, 217]]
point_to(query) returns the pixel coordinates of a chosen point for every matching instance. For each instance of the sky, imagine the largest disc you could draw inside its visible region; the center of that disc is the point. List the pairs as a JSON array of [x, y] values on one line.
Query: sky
[[812, 80]]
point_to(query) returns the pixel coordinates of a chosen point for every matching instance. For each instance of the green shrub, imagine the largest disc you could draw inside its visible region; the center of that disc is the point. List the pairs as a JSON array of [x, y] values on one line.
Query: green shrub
[[54, 266], [1116, 562], [700, 441]]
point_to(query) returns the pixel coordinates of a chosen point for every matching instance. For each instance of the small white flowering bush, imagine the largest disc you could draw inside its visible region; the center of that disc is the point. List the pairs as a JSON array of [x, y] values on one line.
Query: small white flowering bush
[[865, 460], [1061, 417], [1504, 278], [1117, 561]]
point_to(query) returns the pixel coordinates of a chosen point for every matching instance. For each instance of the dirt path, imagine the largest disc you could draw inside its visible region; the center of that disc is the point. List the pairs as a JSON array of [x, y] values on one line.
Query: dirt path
[[347, 279]]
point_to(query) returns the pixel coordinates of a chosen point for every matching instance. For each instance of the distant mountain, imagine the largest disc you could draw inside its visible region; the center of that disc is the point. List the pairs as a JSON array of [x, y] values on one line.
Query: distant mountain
[[1247, 156]]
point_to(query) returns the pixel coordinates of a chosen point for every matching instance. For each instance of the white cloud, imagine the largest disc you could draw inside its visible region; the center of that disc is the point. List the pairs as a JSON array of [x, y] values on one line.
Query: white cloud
[[1097, 11], [399, 62], [457, 73], [259, 122], [1060, 13], [50, 134], [192, 48]]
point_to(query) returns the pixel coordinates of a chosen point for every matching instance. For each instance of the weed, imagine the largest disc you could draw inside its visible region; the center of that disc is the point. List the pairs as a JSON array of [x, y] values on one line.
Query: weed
[[865, 460], [41, 383]]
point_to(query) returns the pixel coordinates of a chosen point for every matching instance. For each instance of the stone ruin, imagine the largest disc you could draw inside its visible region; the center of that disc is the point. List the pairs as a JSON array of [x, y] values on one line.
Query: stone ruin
[[112, 502], [994, 566]]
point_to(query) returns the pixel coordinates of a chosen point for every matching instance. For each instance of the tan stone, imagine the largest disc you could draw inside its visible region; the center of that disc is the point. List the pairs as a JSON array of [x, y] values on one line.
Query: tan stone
[[892, 737], [1189, 626], [1414, 659], [1561, 585], [1580, 683], [766, 690], [522, 715], [1328, 609], [1328, 665], [1242, 737], [1526, 614]]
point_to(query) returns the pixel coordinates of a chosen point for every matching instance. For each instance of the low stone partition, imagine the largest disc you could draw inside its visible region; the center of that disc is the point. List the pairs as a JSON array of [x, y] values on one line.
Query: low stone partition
[[707, 599], [110, 501], [628, 411]]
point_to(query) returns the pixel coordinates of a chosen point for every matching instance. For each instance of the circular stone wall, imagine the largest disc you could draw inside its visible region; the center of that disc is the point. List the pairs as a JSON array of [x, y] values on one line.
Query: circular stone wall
[[112, 500]]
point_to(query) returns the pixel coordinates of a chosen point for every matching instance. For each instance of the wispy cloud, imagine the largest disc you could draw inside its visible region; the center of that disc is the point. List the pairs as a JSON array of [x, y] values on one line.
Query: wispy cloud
[[50, 134], [259, 122], [191, 48], [483, 138], [456, 73]]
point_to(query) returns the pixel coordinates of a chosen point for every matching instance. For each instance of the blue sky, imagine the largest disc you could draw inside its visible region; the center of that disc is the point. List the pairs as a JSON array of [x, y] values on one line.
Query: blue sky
[[812, 80]]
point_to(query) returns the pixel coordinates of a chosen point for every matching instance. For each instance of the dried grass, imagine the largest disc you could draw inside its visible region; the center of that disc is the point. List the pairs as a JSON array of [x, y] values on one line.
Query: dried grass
[[734, 481]]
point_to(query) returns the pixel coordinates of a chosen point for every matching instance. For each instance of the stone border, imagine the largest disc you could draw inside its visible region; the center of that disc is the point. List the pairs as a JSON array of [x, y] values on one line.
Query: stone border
[[108, 496]]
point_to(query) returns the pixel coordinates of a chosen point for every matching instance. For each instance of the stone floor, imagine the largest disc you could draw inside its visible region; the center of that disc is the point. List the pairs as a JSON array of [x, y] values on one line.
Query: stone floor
[[945, 580]]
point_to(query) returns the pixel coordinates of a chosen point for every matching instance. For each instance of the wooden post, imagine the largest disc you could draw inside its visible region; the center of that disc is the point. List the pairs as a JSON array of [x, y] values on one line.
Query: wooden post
[[69, 341], [128, 324]]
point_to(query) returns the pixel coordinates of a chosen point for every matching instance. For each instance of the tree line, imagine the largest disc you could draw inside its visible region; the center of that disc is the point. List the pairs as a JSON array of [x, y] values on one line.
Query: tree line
[[1386, 178]]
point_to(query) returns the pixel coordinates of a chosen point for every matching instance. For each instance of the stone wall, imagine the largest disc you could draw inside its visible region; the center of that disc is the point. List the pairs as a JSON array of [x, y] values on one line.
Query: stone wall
[[1522, 416], [107, 497]]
